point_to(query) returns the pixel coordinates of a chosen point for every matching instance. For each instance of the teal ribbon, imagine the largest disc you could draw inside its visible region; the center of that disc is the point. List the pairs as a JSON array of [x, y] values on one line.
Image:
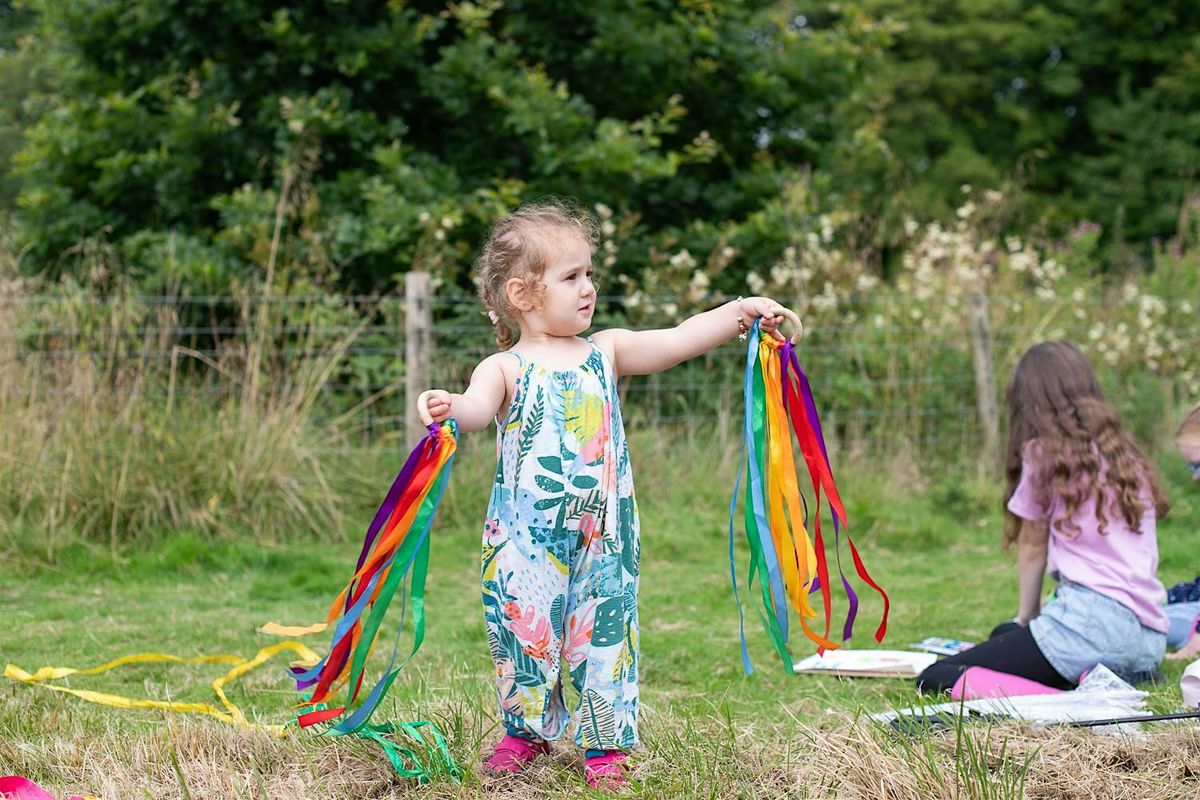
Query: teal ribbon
[[415, 552], [773, 611]]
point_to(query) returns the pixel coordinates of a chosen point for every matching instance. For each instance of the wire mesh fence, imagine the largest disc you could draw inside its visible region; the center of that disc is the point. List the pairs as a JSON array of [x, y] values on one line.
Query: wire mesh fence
[[883, 381]]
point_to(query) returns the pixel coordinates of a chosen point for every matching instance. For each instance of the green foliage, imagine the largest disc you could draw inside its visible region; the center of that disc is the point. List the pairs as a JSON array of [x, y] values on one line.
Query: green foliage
[[1091, 107], [420, 124], [424, 123]]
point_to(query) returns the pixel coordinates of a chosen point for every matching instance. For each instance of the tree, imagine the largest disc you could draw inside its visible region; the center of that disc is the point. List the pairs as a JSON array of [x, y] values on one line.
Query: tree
[[425, 122]]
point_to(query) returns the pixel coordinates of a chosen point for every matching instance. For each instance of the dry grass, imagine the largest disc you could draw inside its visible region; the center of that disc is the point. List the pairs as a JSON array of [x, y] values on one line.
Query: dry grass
[[843, 758], [100, 439]]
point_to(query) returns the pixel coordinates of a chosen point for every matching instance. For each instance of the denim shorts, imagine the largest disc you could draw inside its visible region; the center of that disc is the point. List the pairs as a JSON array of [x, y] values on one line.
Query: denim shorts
[[1081, 628]]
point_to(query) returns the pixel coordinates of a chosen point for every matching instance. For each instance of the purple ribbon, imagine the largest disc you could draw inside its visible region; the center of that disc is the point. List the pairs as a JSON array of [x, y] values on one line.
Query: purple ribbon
[[810, 407]]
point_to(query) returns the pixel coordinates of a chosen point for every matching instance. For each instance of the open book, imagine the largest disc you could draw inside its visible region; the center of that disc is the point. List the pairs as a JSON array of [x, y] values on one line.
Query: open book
[[867, 663]]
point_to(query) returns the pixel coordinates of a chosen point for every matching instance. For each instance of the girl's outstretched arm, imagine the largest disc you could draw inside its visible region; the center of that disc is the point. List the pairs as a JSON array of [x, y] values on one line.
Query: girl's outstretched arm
[[1033, 542], [646, 352], [476, 407]]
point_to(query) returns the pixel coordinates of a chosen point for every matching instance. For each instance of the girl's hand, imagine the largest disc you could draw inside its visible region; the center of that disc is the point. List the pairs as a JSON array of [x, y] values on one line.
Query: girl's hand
[[764, 308], [437, 403]]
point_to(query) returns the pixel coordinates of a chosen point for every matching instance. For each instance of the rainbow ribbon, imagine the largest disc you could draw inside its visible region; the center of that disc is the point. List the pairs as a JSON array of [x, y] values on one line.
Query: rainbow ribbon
[[787, 564], [395, 551]]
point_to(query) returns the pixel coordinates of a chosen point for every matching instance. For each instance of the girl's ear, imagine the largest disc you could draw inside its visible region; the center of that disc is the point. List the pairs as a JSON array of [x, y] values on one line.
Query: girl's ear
[[520, 294]]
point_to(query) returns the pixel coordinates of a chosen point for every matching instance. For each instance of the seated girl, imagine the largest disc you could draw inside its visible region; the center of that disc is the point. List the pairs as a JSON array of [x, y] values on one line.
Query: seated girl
[[1082, 496]]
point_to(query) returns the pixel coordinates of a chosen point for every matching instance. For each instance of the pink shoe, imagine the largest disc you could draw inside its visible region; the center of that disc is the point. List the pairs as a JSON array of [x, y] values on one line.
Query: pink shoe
[[607, 772], [513, 753]]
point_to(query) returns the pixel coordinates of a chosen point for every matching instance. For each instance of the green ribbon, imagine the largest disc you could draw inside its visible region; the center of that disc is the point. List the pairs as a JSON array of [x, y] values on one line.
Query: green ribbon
[[420, 568], [756, 413], [407, 761]]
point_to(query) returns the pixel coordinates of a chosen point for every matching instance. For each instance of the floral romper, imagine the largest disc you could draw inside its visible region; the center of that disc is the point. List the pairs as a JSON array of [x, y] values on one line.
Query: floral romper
[[560, 558]]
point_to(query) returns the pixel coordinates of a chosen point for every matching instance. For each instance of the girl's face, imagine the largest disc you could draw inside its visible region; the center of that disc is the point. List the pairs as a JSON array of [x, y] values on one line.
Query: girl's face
[[568, 299]]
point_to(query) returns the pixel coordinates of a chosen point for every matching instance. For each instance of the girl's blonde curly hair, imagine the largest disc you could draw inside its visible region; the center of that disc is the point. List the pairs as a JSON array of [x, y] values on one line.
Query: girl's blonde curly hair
[[519, 246]]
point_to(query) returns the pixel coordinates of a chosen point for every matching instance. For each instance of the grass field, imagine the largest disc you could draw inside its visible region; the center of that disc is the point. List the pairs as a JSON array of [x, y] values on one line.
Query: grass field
[[708, 731]]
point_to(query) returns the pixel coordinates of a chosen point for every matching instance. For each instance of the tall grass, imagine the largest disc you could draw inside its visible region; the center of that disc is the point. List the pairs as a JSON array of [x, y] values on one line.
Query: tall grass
[[114, 429], [97, 439]]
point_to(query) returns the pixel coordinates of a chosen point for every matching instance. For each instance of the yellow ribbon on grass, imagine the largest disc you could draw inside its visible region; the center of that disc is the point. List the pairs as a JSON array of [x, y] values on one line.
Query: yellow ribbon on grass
[[231, 713]]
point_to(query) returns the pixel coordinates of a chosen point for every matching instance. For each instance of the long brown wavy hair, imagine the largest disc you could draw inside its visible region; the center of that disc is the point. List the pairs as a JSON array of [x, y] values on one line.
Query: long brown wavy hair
[[1055, 400]]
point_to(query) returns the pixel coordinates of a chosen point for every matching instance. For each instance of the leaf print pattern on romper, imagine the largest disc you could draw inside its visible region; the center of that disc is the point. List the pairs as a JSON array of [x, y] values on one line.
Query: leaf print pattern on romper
[[560, 558]]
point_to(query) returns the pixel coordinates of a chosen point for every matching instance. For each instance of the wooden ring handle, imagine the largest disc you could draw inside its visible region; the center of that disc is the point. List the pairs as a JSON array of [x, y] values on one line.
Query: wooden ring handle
[[796, 323], [423, 408]]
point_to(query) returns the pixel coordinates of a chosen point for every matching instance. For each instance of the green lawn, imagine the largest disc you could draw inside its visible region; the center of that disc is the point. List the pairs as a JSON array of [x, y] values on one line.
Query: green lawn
[[708, 730]]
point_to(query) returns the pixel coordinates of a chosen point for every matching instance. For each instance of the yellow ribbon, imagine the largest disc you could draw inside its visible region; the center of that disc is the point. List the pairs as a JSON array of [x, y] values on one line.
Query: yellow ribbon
[[275, 629], [794, 550], [231, 713]]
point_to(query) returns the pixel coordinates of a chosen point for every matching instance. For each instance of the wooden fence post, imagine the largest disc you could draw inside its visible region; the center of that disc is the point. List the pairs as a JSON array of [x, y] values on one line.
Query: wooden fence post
[[418, 345], [985, 378]]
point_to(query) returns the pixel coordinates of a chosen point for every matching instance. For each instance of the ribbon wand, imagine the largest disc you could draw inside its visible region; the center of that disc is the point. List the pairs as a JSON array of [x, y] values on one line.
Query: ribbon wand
[[395, 553], [787, 564]]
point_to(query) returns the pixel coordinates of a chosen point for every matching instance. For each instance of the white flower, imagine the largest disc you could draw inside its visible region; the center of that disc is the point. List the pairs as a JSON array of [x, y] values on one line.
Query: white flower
[[1153, 305], [447, 223], [608, 228], [1020, 261], [866, 283], [826, 229], [603, 211], [827, 300], [423, 217], [682, 259], [754, 282]]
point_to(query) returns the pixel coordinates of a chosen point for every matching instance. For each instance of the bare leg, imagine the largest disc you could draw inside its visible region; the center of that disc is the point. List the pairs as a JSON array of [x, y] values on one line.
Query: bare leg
[[1189, 650]]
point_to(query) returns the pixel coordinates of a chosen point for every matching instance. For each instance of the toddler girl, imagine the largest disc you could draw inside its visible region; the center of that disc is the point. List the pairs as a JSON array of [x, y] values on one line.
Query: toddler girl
[[1082, 498], [560, 542]]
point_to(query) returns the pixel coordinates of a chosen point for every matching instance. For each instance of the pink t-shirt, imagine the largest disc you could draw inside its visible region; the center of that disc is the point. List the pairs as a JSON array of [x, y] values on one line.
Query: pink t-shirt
[[1120, 563]]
